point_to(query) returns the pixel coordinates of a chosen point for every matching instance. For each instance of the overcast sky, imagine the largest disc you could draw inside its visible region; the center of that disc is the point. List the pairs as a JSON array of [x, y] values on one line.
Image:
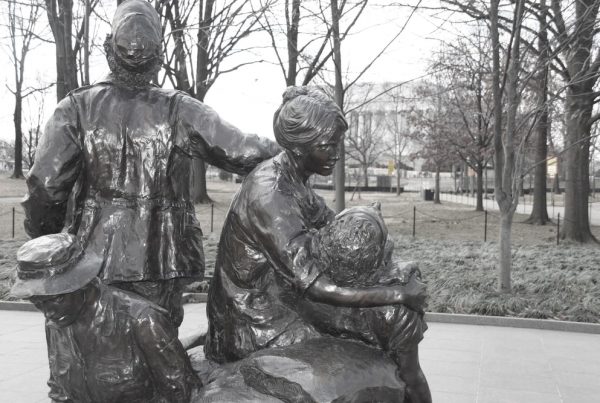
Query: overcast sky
[[248, 97]]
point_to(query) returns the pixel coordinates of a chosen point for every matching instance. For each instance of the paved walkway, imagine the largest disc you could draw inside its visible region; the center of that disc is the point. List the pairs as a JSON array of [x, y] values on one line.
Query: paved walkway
[[463, 363]]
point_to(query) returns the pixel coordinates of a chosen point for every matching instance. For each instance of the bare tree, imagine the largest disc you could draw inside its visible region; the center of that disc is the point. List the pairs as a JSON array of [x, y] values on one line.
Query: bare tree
[[465, 66], [313, 33], [306, 50], [22, 20], [34, 121], [340, 12], [365, 139], [579, 67], [340, 166], [396, 120], [576, 59], [433, 125], [507, 179], [67, 43], [199, 37]]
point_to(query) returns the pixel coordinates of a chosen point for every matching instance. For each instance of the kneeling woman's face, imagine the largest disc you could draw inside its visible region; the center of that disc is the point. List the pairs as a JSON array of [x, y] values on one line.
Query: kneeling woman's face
[[321, 157]]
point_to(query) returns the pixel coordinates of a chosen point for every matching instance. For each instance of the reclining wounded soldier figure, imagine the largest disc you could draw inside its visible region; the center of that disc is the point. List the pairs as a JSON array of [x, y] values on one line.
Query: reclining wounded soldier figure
[[104, 344], [357, 253]]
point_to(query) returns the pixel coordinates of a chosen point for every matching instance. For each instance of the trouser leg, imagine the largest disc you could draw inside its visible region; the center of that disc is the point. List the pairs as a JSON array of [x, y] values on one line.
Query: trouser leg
[[409, 370], [399, 331], [166, 293]]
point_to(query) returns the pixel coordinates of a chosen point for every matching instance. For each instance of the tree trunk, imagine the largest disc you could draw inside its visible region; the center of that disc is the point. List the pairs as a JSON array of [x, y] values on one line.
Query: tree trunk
[[199, 173], [292, 38], [436, 196], [505, 263], [340, 167], [454, 177], [576, 224], [505, 188], [202, 56], [578, 109], [70, 57], [539, 211], [398, 174], [86, 45], [366, 176], [479, 206], [60, 19], [18, 168], [464, 178], [556, 184], [485, 176], [178, 30]]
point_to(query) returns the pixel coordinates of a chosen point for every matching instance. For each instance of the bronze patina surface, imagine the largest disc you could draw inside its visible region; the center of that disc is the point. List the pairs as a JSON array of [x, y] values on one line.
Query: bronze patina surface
[[289, 273], [114, 165], [104, 344], [304, 306]]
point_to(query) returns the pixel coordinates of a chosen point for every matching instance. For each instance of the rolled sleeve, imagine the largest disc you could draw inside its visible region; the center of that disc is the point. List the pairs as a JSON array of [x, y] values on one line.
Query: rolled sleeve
[[306, 266], [286, 240], [201, 133]]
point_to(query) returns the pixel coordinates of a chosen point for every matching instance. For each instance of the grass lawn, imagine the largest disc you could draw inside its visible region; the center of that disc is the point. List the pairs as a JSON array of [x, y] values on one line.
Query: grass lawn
[[549, 281]]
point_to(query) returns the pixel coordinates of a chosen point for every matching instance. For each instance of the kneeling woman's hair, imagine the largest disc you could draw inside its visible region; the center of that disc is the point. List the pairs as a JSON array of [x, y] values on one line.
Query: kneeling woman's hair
[[306, 117]]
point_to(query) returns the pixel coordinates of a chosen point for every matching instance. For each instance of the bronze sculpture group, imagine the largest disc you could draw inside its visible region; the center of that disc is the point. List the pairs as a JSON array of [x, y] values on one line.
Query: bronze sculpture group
[[304, 305]]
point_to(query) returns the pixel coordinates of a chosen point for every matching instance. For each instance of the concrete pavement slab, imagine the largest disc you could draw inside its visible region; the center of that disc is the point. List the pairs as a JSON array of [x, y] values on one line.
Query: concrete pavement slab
[[463, 363]]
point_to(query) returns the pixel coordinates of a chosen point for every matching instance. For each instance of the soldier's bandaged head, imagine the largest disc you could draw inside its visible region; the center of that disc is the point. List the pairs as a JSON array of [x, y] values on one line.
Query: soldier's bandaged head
[[353, 245]]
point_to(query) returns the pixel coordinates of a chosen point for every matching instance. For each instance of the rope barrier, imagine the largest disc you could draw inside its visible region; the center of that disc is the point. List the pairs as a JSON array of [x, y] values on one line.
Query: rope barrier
[[397, 214], [454, 220]]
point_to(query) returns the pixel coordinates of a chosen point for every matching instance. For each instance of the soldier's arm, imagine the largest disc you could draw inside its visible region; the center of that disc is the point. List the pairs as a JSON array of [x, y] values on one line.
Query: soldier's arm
[[172, 373], [203, 134], [54, 172]]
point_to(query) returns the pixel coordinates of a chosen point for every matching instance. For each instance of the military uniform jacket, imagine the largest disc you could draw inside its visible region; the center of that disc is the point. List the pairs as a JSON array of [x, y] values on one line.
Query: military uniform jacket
[[115, 166]]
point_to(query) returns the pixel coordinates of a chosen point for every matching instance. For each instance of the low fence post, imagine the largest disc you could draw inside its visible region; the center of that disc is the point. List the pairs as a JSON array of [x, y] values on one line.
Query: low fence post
[[13, 222], [414, 219], [558, 229], [485, 226], [212, 216]]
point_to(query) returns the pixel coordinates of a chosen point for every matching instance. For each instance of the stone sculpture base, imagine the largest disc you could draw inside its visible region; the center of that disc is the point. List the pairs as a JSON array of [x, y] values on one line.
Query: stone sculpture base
[[321, 370]]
